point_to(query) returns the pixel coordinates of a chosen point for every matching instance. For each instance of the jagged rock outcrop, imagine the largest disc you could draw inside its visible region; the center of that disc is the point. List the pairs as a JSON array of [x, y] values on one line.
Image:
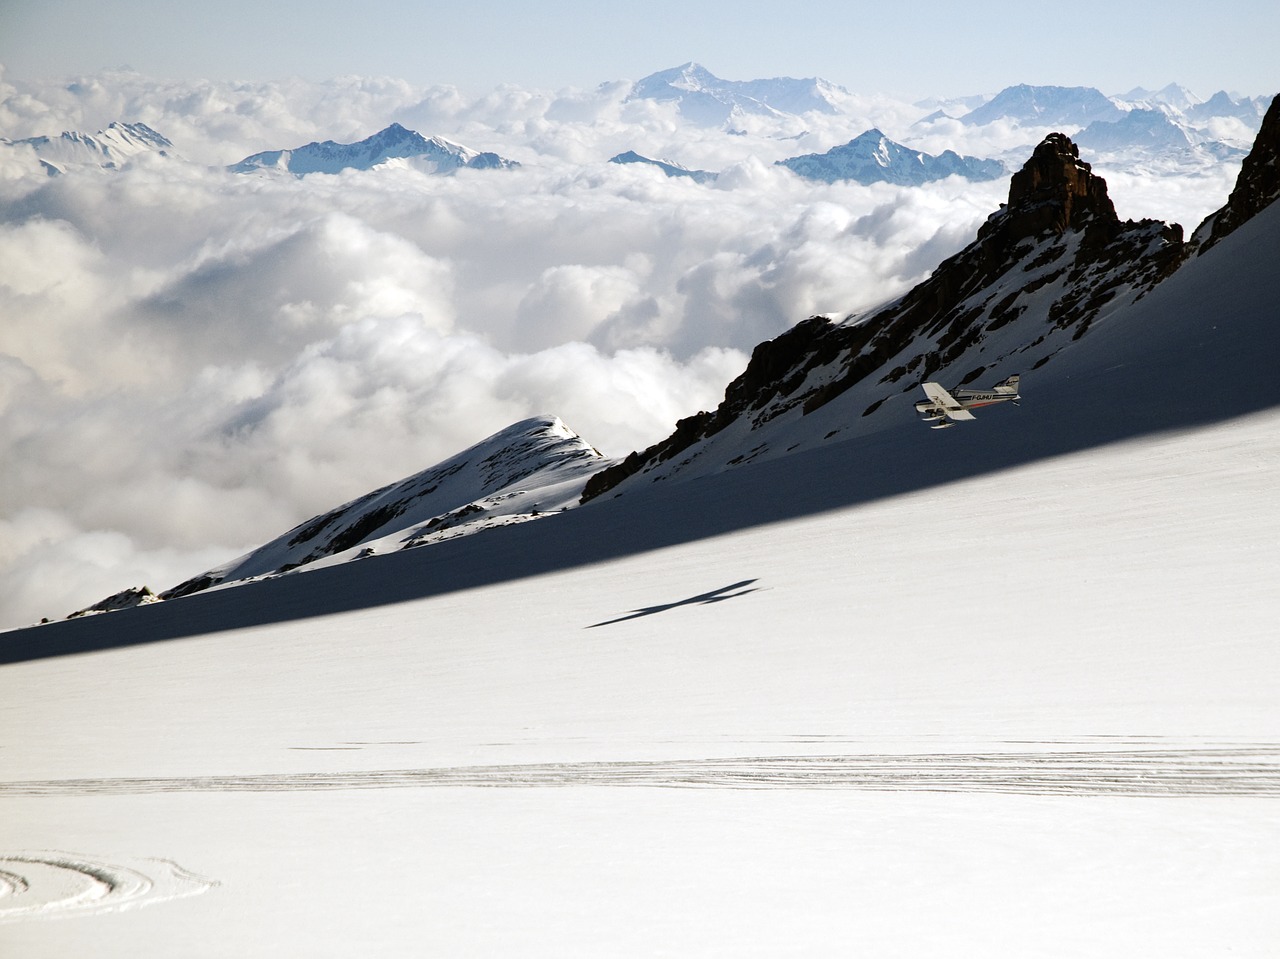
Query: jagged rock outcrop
[[1257, 187], [125, 599], [1042, 269]]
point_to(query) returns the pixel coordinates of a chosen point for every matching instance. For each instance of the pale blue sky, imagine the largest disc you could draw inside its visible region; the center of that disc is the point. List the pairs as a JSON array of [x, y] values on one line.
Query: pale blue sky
[[922, 48]]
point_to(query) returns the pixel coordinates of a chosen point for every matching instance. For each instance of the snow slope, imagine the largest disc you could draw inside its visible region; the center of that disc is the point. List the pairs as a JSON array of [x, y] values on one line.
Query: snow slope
[[1006, 689]]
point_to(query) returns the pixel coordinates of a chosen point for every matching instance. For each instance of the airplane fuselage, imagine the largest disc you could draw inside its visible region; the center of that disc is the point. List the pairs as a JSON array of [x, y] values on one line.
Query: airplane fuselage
[[944, 408]]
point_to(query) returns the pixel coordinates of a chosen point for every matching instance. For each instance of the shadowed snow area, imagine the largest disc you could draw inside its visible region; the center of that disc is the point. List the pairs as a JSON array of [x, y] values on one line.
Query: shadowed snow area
[[1196, 351]]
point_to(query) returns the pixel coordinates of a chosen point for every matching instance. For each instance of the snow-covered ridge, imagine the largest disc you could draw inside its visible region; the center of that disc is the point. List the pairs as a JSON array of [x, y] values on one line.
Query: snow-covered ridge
[[1144, 126], [707, 99], [531, 468], [429, 154], [1046, 106], [872, 157], [109, 149]]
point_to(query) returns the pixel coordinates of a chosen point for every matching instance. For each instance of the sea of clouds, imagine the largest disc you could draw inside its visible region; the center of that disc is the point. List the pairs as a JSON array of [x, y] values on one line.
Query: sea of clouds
[[193, 361]]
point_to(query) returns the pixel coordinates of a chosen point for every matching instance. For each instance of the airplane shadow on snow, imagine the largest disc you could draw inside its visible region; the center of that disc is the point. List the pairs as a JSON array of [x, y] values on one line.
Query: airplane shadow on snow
[[702, 599], [1190, 354]]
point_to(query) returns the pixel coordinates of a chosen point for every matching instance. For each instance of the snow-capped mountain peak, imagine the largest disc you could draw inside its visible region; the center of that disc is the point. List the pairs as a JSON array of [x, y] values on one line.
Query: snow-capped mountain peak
[[531, 468], [1173, 97], [109, 149], [689, 77], [706, 99], [429, 154], [872, 157], [1070, 107]]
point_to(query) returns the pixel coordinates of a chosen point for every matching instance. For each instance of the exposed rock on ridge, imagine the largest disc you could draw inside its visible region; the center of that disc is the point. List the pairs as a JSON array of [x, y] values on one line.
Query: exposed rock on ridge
[[519, 473], [1054, 191], [1040, 271], [1257, 187]]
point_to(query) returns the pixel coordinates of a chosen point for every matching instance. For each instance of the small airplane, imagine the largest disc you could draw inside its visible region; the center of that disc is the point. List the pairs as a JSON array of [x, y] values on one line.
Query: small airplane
[[945, 409]]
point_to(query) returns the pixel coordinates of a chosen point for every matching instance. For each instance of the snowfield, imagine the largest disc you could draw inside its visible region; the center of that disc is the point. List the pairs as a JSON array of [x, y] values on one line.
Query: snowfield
[[1003, 690]]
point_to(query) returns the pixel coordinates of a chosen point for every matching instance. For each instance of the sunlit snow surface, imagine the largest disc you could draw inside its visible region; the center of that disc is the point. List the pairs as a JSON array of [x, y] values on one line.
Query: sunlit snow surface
[[929, 724]]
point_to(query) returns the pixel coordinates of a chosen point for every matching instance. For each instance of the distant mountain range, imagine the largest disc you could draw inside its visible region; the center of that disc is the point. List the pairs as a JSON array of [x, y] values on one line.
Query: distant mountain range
[[1170, 126], [869, 158], [873, 158], [109, 149], [705, 99], [434, 155], [1148, 134], [1068, 107]]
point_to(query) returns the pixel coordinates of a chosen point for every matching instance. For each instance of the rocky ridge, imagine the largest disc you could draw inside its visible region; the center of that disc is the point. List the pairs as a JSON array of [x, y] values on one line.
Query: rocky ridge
[[1257, 187], [526, 470], [1041, 270]]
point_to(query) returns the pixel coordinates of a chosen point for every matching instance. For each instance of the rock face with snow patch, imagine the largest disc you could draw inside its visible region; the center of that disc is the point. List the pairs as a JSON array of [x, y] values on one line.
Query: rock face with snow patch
[[873, 158], [125, 599], [525, 471], [1042, 269], [431, 155], [1257, 187]]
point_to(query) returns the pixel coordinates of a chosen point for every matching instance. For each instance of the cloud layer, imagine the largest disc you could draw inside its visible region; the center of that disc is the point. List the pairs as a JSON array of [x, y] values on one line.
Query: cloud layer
[[193, 361]]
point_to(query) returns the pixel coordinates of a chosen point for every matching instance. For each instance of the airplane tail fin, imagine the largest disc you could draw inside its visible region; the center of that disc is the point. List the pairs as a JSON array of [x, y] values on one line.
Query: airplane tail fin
[[1008, 386]]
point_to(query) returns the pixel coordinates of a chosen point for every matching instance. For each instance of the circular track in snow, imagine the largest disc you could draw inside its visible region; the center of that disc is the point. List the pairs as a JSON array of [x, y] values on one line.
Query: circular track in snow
[[51, 885]]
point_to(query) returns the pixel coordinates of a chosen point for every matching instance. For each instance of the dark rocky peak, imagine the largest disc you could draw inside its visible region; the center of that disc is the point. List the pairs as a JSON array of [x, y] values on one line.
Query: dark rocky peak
[[1257, 186], [1055, 191]]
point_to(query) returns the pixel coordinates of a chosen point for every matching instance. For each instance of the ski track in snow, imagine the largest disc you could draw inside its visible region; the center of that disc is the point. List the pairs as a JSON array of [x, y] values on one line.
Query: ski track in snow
[[55, 885], [1239, 771]]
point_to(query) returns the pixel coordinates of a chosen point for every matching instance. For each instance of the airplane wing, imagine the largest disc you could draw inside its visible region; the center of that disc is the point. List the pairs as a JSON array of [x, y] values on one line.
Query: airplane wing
[[946, 402]]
